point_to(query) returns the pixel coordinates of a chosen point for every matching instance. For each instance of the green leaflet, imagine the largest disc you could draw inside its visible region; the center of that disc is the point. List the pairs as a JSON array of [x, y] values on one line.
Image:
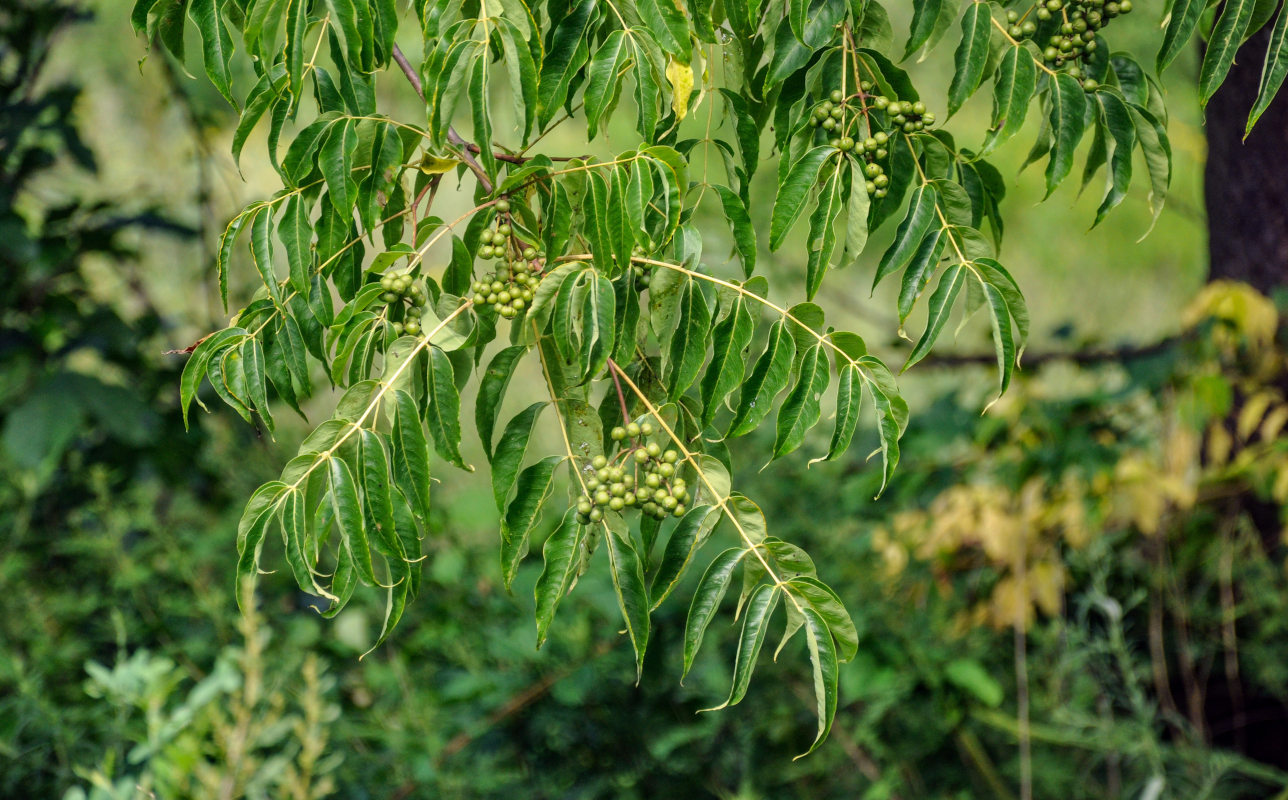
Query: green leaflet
[[908, 236], [336, 160], [297, 24], [746, 129], [768, 378], [997, 276], [347, 513], [632, 595], [481, 112], [801, 410], [251, 530], [559, 554], [295, 233], [1067, 113], [1182, 20], [822, 656], [849, 403], [1017, 76], [565, 56], [604, 78], [744, 235], [706, 600], [665, 19], [825, 602], [1224, 42], [857, 213], [491, 391], [920, 270], [999, 316], [1272, 72], [216, 45], [687, 348], [252, 359], [822, 230], [729, 342], [530, 493], [510, 451], [598, 325], [940, 306], [755, 624], [792, 191], [1122, 132], [522, 72], [443, 408], [695, 526], [1157, 149], [410, 452], [925, 16], [195, 370], [971, 56]]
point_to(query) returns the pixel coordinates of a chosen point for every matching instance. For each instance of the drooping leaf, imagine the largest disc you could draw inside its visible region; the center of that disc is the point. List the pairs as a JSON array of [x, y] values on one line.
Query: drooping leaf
[[971, 56], [559, 554], [792, 191], [768, 378], [755, 625], [706, 601]]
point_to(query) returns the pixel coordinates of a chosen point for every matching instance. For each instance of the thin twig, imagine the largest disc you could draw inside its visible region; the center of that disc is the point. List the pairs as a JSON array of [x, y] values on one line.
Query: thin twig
[[452, 136]]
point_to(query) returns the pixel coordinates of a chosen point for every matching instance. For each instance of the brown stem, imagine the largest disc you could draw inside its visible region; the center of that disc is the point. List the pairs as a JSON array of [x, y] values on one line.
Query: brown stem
[[621, 396], [452, 136]]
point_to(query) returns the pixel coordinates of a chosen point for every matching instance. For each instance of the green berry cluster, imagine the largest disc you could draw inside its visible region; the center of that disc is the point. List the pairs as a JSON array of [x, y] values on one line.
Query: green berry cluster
[[643, 278], [1075, 36], [905, 115], [830, 115], [873, 150], [511, 288], [646, 478], [401, 288]]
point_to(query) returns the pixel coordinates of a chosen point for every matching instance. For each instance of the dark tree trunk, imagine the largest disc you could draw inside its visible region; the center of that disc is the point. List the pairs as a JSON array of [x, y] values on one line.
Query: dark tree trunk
[[1247, 181], [1246, 193]]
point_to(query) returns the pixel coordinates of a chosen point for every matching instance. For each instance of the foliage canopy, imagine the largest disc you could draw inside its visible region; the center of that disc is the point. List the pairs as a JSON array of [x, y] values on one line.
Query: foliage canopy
[[593, 269]]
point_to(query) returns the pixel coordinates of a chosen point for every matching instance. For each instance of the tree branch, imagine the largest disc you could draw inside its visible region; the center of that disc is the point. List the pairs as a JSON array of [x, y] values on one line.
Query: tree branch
[[452, 135], [455, 138], [1082, 358]]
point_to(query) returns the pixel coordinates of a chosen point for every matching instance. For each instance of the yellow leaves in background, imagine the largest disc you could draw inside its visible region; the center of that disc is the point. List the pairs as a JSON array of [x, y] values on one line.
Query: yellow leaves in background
[[1217, 429], [1248, 312], [1017, 535]]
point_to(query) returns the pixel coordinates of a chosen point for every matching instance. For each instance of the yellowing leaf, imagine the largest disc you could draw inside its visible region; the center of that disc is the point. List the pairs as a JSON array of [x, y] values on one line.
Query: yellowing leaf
[[680, 76], [436, 165]]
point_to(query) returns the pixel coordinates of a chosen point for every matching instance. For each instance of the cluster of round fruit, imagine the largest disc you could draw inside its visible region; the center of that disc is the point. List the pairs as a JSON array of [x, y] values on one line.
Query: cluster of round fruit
[[659, 492], [905, 115], [1076, 35], [643, 278], [511, 288], [830, 114], [399, 286], [874, 150]]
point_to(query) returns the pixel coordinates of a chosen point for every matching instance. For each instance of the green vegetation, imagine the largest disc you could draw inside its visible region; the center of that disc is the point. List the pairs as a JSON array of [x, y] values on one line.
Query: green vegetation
[[1076, 594]]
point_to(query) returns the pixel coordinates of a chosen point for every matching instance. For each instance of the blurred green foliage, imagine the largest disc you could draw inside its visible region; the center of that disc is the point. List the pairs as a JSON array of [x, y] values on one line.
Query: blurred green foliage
[[125, 666]]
